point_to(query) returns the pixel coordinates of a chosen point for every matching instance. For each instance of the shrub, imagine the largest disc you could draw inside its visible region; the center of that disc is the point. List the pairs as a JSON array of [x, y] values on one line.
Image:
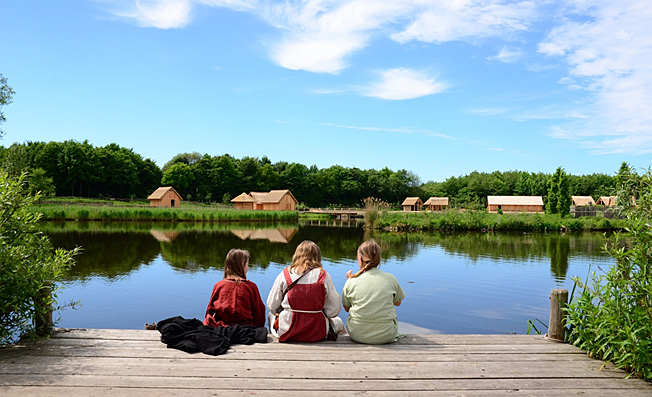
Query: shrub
[[29, 268], [612, 316]]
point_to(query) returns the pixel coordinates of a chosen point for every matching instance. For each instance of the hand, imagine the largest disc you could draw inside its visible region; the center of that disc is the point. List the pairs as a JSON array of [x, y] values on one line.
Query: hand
[[349, 274]]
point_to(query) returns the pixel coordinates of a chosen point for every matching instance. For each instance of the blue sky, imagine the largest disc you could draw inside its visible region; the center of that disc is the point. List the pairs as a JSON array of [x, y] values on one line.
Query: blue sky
[[437, 87]]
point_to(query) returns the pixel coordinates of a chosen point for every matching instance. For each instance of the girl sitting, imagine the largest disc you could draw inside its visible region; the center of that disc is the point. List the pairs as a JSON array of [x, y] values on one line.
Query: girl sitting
[[235, 300], [370, 296], [306, 298]]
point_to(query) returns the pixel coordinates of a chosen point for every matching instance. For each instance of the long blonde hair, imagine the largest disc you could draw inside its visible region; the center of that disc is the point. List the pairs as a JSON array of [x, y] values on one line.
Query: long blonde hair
[[234, 264], [307, 255], [369, 253]]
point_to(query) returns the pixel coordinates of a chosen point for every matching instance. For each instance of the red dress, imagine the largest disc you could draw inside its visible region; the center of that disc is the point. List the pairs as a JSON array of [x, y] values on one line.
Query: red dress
[[235, 303], [306, 303]]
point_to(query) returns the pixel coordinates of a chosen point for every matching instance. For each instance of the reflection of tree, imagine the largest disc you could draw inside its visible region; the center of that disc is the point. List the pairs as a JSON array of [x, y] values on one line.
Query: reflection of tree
[[107, 255], [558, 249]]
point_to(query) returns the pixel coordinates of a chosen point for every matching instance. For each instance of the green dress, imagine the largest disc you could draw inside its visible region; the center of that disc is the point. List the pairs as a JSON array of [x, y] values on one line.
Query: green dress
[[371, 297]]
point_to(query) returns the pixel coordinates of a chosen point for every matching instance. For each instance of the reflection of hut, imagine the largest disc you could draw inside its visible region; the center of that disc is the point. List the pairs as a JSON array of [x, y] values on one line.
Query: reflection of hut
[[515, 203], [164, 197], [412, 204], [436, 203], [582, 200], [243, 202], [273, 235], [164, 236], [607, 201], [275, 200]]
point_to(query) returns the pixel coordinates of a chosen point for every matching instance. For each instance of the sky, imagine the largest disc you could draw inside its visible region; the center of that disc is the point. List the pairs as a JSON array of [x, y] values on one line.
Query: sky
[[440, 88]]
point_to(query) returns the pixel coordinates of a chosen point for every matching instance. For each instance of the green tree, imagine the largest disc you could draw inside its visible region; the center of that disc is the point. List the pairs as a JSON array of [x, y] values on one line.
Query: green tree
[[179, 176], [559, 196], [6, 94], [29, 268]]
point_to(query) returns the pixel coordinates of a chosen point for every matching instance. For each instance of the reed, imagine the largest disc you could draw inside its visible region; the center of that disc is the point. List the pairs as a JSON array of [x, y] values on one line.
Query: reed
[[483, 220], [84, 212]]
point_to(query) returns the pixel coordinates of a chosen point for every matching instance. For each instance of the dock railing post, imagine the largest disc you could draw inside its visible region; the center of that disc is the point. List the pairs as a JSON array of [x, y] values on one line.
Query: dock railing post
[[557, 324]]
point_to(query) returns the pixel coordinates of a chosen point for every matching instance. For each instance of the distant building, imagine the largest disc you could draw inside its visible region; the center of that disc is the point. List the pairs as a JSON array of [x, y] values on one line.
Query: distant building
[[515, 203], [412, 204], [607, 201], [436, 203], [582, 200], [164, 197], [243, 202], [275, 200]]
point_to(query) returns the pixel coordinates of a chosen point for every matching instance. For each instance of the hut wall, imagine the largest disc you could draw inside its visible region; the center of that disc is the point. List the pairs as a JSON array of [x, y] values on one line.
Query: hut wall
[[287, 203], [516, 208], [244, 206], [166, 200]]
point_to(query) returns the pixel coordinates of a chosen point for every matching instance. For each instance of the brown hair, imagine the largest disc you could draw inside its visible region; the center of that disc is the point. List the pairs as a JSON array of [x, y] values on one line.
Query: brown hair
[[234, 264], [369, 253], [307, 255]]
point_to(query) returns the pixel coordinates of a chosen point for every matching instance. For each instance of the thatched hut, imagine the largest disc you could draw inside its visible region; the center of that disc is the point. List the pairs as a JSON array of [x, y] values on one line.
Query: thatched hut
[[579, 201], [436, 203], [607, 201], [412, 204], [164, 197], [515, 203], [243, 202]]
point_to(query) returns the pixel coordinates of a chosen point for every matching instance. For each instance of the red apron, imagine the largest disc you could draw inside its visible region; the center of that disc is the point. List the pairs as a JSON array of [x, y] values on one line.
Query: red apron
[[306, 302]]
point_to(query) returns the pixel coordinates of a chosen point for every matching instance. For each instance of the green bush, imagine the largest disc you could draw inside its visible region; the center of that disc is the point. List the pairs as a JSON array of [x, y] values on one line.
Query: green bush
[[29, 268], [612, 316]]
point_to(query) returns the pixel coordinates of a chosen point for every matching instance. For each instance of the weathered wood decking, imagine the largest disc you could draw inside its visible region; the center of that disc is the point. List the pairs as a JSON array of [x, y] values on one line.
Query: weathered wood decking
[[130, 362]]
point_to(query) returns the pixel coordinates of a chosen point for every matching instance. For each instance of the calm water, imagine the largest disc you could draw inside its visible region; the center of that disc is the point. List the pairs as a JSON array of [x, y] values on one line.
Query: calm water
[[133, 273]]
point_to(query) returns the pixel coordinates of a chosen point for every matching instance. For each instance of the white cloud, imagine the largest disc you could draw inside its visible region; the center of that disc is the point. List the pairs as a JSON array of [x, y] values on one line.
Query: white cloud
[[442, 21], [507, 56], [394, 130], [402, 83], [608, 48], [162, 14]]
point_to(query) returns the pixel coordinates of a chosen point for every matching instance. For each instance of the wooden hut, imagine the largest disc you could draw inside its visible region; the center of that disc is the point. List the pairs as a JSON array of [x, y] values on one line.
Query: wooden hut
[[412, 204], [243, 202], [164, 197], [607, 201], [515, 203], [436, 203], [274, 200], [582, 200]]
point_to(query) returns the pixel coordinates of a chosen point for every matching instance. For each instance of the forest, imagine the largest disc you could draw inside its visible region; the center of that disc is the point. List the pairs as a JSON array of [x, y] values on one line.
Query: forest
[[73, 168]]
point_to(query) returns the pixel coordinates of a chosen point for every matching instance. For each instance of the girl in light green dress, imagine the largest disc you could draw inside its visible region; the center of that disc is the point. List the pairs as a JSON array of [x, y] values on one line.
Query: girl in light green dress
[[370, 296]]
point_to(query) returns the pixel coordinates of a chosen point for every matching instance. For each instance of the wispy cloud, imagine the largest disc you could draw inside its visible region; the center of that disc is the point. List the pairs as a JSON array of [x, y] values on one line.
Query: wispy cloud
[[402, 83], [506, 56], [393, 130], [608, 48]]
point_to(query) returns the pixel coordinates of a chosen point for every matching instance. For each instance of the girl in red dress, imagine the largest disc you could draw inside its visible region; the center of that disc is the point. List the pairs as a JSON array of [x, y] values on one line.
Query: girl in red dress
[[235, 300], [306, 298]]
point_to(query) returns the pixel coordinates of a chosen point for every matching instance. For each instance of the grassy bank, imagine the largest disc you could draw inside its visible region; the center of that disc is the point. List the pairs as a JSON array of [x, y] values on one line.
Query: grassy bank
[[482, 220], [99, 210]]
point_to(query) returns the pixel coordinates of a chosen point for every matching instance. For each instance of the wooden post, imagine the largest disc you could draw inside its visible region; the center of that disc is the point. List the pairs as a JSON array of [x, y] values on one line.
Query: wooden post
[[557, 324], [43, 315]]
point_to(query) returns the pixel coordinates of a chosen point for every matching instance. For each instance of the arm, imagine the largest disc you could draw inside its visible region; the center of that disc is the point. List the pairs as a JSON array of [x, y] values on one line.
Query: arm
[[275, 297], [258, 308]]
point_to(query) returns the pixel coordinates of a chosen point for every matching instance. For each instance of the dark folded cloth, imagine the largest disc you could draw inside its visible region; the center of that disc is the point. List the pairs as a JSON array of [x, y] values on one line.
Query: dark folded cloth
[[192, 336]]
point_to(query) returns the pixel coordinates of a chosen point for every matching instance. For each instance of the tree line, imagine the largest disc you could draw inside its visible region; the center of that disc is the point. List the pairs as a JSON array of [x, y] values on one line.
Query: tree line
[[72, 168]]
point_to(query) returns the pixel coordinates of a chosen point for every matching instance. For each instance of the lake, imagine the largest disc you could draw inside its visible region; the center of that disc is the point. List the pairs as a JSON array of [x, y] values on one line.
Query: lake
[[456, 283]]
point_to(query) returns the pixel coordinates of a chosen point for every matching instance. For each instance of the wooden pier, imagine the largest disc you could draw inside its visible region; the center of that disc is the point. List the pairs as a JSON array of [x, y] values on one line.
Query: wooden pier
[[101, 362], [338, 213]]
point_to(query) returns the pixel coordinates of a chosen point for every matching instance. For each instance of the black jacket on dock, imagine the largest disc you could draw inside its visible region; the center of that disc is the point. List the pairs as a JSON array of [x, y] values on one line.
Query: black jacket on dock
[[193, 336]]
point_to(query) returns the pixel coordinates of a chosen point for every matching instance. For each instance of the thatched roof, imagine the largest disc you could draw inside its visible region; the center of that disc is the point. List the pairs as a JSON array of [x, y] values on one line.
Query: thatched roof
[[608, 201], [583, 200], [275, 196], [258, 196], [160, 192], [243, 198], [514, 200], [412, 201], [436, 201]]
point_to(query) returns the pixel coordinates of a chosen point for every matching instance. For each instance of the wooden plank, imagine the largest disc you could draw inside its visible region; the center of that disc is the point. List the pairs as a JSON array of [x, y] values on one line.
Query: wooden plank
[[319, 370], [215, 384], [125, 391]]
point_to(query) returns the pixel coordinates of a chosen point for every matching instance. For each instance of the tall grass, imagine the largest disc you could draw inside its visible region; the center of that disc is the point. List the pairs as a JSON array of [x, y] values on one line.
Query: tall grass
[[483, 220], [126, 213]]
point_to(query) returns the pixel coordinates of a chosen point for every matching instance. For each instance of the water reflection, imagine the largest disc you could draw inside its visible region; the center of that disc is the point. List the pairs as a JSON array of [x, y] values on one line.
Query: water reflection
[[130, 273]]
